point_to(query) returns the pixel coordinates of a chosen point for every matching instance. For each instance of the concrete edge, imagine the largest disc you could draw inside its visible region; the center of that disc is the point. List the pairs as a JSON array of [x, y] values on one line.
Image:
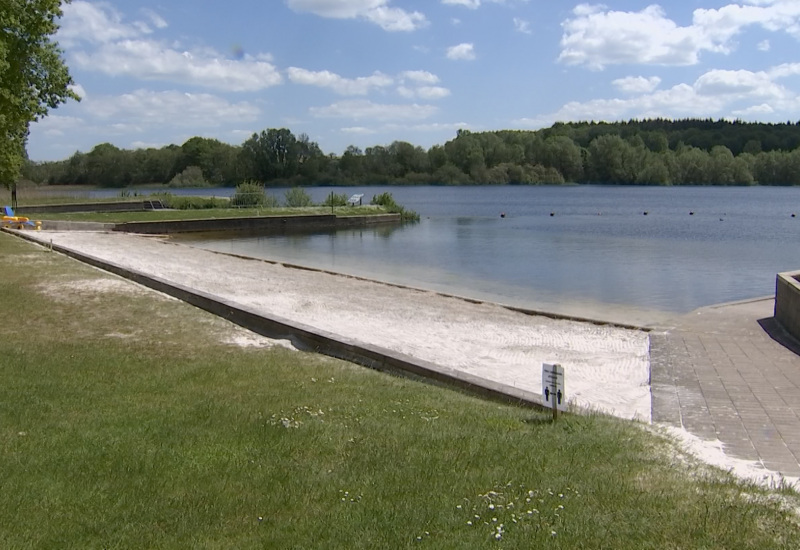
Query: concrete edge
[[310, 339], [787, 302], [524, 311]]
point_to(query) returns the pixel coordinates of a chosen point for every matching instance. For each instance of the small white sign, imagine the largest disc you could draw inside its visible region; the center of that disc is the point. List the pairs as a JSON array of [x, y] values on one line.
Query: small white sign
[[554, 392]]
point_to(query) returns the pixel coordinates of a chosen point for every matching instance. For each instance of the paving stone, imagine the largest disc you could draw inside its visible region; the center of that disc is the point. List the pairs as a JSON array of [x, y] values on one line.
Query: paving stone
[[721, 374]]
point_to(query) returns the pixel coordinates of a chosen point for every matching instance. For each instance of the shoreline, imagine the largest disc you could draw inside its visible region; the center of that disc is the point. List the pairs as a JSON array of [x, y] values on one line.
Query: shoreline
[[607, 367], [585, 310]]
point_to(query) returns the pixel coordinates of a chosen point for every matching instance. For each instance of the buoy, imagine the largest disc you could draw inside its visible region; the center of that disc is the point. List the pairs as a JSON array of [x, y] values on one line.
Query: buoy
[[552, 214], [793, 215], [644, 213], [691, 213], [502, 214]]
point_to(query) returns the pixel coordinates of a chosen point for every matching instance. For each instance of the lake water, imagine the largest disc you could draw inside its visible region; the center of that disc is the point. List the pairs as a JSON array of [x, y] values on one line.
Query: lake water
[[598, 255]]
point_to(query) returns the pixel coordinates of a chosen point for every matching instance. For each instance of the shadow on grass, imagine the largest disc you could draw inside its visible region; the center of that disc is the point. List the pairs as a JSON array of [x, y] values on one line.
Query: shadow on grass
[[539, 420]]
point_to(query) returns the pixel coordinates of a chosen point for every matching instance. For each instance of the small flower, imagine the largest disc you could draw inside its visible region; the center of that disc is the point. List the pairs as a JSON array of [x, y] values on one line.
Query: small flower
[[491, 507], [469, 523]]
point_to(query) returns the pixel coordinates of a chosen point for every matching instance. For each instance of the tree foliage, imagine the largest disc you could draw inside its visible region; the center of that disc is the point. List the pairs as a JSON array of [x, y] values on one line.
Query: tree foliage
[[33, 76], [629, 153]]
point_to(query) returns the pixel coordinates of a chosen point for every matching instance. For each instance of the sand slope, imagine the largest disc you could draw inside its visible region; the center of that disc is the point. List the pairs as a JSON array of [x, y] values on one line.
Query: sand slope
[[606, 368]]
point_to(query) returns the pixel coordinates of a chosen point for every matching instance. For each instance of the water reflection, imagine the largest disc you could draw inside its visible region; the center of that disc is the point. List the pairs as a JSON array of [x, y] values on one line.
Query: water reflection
[[667, 260]]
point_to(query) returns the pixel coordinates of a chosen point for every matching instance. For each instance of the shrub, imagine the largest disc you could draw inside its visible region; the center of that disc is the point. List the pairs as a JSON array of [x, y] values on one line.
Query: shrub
[[386, 200], [182, 202], [192, 176], [335, 200], [249, 194], [297, 197]]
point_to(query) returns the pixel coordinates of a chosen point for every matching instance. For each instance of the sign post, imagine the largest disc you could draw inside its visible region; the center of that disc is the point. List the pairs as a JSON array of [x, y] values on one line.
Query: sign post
[[553, 389]]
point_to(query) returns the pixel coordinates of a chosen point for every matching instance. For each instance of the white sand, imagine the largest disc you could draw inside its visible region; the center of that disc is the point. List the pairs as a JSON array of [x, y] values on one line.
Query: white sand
[[713, 452], [606, 368]]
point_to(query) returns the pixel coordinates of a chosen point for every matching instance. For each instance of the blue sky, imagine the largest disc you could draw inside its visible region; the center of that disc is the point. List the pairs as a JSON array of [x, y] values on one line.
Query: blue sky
[[369, 72]]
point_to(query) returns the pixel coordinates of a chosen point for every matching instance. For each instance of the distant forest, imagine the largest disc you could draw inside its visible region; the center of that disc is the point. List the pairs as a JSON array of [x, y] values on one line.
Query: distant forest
[[637, 152]]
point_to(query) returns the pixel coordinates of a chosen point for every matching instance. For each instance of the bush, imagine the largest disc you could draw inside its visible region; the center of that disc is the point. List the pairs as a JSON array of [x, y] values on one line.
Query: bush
[[249, 194], [335, 200], [192, 176], [386, 200], [181, 202], [297, 197]]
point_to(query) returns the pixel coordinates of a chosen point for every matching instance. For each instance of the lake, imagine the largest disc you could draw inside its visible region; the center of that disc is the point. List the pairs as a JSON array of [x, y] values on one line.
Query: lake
[[576, 250]]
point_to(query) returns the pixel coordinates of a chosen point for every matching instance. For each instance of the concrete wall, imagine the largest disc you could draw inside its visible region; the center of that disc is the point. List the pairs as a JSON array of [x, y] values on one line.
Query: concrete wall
[[787, 302], [61, 225], [118, 206], [265, 224]]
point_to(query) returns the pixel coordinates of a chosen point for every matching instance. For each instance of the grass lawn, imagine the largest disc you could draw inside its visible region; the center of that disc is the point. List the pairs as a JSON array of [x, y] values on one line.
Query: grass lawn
[[131, 420], [211, 213]]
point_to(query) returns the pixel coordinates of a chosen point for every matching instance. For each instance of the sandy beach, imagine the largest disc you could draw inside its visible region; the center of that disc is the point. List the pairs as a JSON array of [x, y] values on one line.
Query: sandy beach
[[607, 368]]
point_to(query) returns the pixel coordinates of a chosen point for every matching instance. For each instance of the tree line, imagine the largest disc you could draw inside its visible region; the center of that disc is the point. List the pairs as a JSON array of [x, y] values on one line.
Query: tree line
[[646, 152]]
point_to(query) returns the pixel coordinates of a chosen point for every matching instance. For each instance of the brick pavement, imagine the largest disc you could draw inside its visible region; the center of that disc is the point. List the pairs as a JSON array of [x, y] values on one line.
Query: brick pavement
[[730, 372]]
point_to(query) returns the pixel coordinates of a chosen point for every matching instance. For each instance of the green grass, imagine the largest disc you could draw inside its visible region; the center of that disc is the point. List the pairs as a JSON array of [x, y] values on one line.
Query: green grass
[[160, 215], [127, 421]]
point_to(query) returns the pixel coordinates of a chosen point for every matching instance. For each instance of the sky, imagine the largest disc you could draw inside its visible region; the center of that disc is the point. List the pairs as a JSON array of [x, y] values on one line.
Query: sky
[[370, 72]]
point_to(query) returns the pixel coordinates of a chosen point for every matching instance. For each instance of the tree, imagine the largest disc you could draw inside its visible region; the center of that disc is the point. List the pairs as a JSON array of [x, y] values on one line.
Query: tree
[[33, 76]]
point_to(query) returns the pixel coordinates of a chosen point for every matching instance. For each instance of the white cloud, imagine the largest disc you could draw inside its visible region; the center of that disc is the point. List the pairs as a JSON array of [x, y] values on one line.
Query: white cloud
[[149, 60], [155, 19], [596, 36], [763, 46], [471, 4], [423, 92], [375, 11], [432, 92], [637, 84], [740, 84], [138, 117], [84, 22], [723, 93], [78, 89], [423, 77], [784, 70], [358, 130], [755, 111], [364, 109], [475, 4], [416, 88], [170, 108], [522, 26], [57, 125], [101, 41], [344, 86], [461, 52]]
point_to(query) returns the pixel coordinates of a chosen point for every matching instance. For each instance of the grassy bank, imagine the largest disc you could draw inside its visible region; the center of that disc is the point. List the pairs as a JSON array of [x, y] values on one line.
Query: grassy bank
[[205, 214], [133, 420]]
